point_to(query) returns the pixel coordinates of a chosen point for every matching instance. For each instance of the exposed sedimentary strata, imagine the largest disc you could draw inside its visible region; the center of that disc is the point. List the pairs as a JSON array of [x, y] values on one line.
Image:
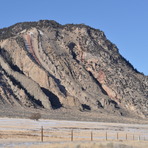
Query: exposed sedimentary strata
[[31, 86], [70, 66]]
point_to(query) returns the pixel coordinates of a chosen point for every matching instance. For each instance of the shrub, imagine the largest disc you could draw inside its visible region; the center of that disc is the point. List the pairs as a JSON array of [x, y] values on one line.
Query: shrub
[[35, 116]]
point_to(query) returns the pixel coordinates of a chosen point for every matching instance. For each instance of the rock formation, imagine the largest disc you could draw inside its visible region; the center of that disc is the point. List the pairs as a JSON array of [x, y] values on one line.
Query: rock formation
[[47, 65]]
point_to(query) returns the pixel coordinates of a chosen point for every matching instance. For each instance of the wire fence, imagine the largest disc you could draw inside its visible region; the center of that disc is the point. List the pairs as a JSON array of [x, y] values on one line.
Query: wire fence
[[68, 134]]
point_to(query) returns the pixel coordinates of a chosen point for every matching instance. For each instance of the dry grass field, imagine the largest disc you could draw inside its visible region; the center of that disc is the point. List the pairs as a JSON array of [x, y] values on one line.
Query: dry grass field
[[71, 134]]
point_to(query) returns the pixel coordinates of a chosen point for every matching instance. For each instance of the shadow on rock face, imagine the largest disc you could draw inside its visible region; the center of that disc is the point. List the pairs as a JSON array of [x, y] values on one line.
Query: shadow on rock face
[[86, 107], [54, 100]]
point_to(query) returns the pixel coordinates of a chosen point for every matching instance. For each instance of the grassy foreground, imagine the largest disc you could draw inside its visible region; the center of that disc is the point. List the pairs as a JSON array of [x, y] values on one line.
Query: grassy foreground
[[103, 144]]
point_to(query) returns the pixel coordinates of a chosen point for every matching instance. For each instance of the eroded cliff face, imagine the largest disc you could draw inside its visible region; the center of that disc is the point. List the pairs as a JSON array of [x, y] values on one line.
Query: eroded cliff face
[[46, 65]]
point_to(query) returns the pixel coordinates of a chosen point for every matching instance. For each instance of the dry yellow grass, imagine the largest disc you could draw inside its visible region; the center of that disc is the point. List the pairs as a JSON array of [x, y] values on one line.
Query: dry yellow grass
[[24, 133], [101, 144]]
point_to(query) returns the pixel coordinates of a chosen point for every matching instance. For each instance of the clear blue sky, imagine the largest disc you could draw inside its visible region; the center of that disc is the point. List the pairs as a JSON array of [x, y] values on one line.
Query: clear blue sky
[[125, 22]]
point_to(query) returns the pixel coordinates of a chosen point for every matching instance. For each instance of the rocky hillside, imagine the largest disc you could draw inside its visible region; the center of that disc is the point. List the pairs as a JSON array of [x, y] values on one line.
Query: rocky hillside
[[47, 65]]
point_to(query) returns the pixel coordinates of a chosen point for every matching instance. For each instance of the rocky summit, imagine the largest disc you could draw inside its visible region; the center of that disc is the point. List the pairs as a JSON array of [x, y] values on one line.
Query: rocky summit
[[48, 66]]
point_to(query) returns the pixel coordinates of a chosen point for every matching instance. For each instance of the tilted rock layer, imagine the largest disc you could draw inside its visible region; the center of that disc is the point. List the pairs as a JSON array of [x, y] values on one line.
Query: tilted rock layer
[[47, 65]]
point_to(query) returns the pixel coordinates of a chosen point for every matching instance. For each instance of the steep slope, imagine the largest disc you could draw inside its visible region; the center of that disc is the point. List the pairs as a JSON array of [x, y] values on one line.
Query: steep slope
[[47, 65]]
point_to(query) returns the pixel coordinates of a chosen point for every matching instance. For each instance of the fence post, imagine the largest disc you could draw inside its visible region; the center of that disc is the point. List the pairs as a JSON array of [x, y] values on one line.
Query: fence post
[[133, 137], [42, 133], [117, 136], [106, 136], [71, 135], [126, 136], [91, 136], [139, 138]]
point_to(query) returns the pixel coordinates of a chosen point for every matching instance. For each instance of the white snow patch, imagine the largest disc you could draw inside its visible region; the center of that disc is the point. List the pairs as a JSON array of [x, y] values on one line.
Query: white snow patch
[[23, 31], [41, 33], [30, 33]]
